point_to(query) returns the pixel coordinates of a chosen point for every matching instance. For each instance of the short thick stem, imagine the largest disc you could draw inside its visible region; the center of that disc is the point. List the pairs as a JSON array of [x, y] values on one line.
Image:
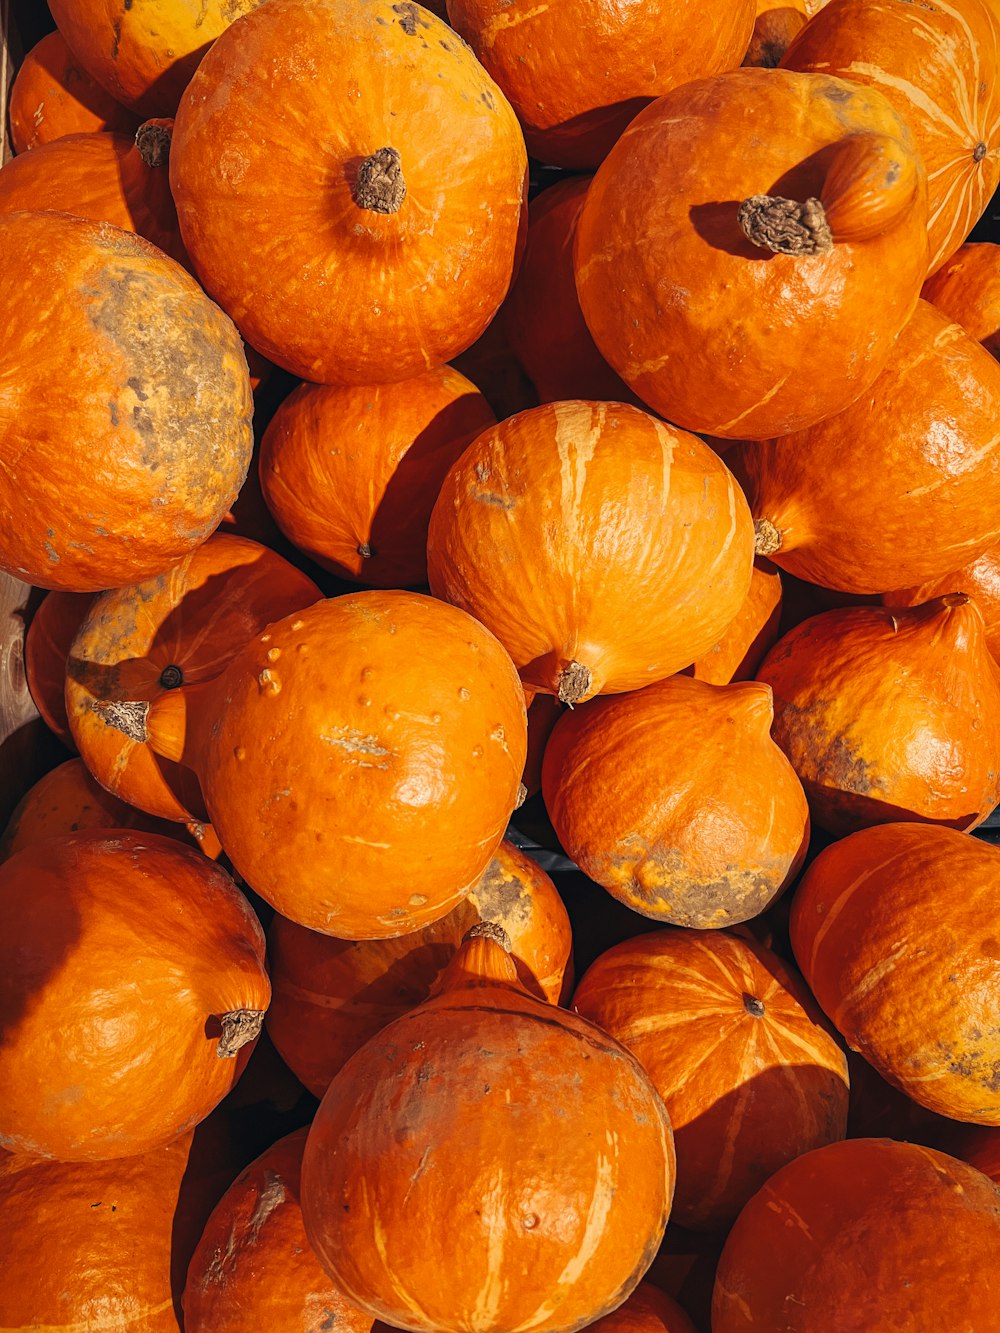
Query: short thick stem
[[767, 537], [152, 139], [239, 1028], [127, 716], [380, 187], [785, 226], [574, 683]]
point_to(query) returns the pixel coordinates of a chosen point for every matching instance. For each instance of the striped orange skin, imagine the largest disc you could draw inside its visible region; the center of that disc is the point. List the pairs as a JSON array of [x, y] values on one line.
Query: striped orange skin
[[490, 1115], [938, 64], [862, 1235], [896, 931], [52, 95], [330, 996], [967, 289], [331, 288], [737, 1049], [603, 548]]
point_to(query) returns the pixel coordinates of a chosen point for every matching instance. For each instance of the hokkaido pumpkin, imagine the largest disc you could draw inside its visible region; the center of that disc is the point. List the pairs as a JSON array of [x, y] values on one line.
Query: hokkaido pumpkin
[[488, 1114], [895, 929], [47, 642], [729, 238], [938, 64], [863, 1234], [351, 474], [331, 995], [131, 978], [742, 647], [390, 704], [53, 95], [603, 548], [867, 500], [577, 72], [677, 801], [144, 56], [253, 1268], [138, 435], [966, 288], [777, 22], [980, 580], [409, 187], [737, 1050], [647, 1310], [165, 636], [106, 177]]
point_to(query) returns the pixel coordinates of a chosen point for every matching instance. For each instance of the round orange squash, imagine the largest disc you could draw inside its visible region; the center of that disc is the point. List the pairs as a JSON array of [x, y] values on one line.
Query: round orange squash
[[647, 1310], [144, 56], [131, 978], [777, 22], [407, 168], [165, 636], [896, 931], [980, 580], [47, 642], [677, 801], [253, 1268], [351, 474], [939, 67], [744, 644], [733, 293], [966, 288], [138, 435], [864, 1234], [488, 1114], [53, 95], [577, 72], [330, 995], [737, 1049], [604, 548], [862, 502]]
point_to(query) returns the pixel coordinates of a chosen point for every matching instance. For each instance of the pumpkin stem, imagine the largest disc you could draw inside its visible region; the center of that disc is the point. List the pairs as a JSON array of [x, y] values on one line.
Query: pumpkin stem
[[489, 930], [753, 1006], [767, 538], [482, 959], [153, 142], [784, 225], [573, 683], [522, 795], [380, 186], [365, 551], [239, 1027], [126, 716]]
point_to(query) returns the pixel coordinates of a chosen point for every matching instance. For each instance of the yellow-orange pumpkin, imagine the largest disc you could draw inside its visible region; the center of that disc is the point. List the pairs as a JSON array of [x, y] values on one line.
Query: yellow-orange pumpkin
[[52, 95], [966, 288]]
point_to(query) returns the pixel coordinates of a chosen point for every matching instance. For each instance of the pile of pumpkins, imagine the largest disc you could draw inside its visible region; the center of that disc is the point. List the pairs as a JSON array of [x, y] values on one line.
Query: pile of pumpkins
[[383, 519]]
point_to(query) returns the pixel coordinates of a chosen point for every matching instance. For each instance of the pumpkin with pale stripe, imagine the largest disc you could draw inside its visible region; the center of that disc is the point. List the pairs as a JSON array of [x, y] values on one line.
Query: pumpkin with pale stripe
[[525, 1151], [603, 548], [738, 1051]]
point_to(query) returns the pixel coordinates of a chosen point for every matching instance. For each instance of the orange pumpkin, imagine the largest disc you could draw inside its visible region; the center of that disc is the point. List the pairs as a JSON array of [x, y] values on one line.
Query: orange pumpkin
[[742, 647], [52, 95], [164, 636], [488, 1114], [409, 190], [577, 72], [351, 475], [144, 56], [981, 1149], [677, 801], [966, 288], [939, 66], [980, 580], [861, 502], [647, 1310], [491, 365], [253, 1268], [106, 177], [331, 995], [895, 929], [138, 437], [737, 1049], [603, 548], [131, 978], [777, 22], [728, 238], [50, 636], [388, 703], [864, 1234]]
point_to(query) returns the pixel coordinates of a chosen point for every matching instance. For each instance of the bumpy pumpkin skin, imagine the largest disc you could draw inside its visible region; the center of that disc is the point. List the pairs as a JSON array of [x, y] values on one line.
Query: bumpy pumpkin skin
[[743, 646], [675, 294], [737, 1049], [490, 1115], [940, 69], [389, 703], [331, 995], [122, 957], [576, 73], [47, 643], [254, 1268], [51, 96], [163, 636], [337, 290], [867, 500], [677, 801], [351, 474], [980, 580], [139, 441], [895, 929], [861, 1235], [966, 288], [602, 547], [889, 715], [647, 1310], [145, 54]]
